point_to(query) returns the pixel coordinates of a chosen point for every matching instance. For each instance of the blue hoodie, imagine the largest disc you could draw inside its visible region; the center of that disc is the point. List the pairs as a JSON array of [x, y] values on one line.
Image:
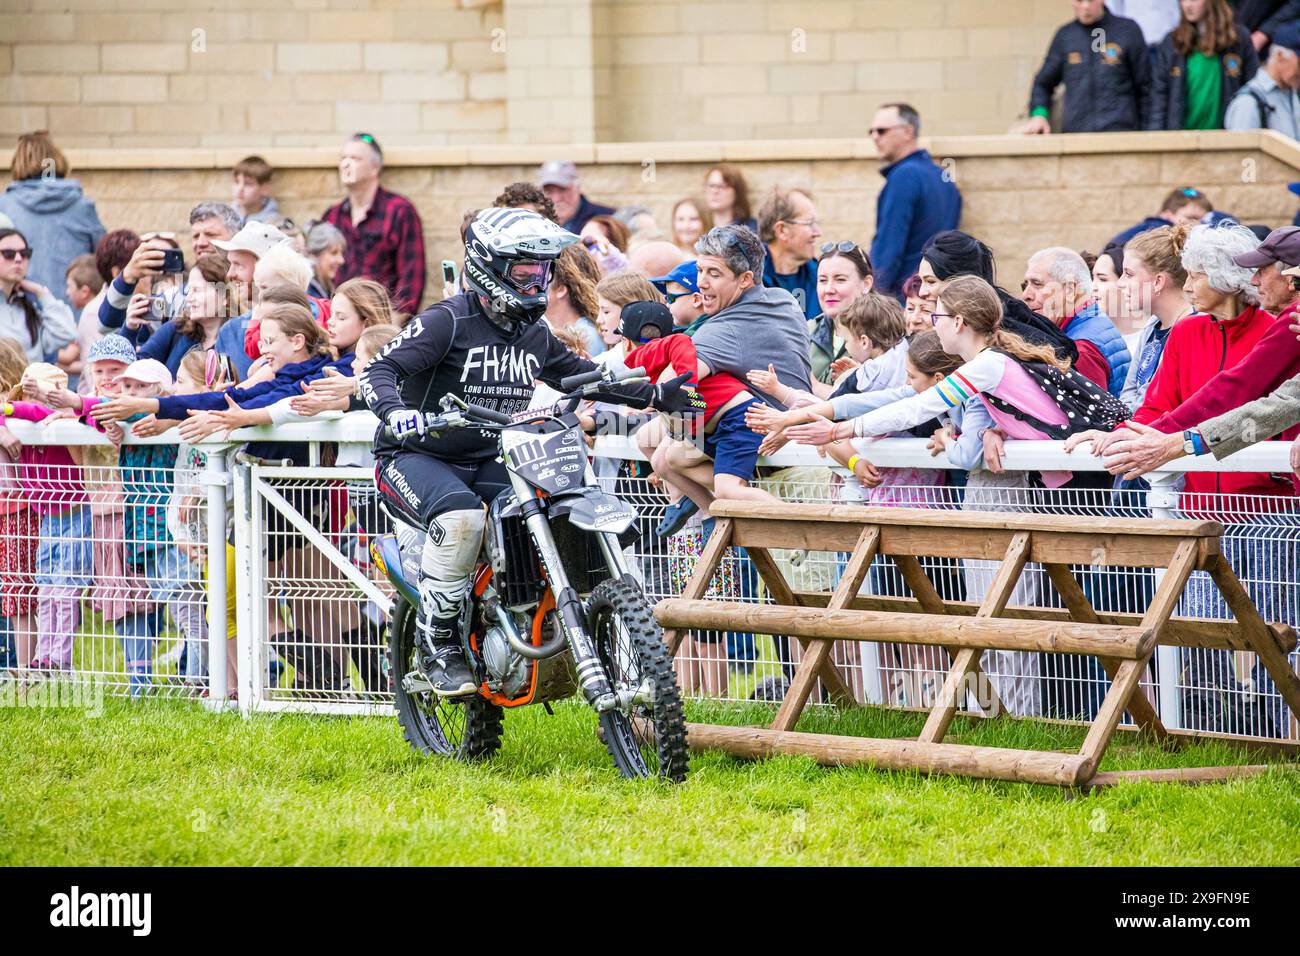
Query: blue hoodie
[[59, 223]]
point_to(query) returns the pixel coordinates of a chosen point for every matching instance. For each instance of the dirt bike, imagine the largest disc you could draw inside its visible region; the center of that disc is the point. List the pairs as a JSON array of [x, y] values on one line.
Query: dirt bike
[[553, 608]]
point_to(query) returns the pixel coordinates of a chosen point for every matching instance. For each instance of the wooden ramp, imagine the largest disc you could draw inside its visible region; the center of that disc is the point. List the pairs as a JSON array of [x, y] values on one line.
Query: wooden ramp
[[1123, 643]]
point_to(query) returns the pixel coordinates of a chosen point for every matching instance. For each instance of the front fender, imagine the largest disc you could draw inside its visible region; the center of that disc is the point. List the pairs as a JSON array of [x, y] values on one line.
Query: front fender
[[591, 509]]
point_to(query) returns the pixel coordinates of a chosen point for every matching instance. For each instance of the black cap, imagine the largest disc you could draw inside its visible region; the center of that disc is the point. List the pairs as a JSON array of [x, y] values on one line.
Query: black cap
[[637, 315]]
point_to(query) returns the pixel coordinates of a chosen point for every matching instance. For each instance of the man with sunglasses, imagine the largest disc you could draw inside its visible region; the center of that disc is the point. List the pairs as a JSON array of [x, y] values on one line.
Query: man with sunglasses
[[918, 201], [487, 346], [787, 222]]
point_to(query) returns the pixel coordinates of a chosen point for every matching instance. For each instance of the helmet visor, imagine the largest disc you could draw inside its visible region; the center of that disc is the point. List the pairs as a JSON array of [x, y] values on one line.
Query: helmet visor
[[529, 276]]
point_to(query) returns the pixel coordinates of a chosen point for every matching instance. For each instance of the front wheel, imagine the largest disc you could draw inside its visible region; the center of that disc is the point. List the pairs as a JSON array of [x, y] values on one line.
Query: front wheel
[[646, 735], [463, 728]]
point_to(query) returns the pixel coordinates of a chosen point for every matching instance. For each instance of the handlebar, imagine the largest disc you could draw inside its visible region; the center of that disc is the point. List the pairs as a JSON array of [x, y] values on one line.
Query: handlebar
[[601, 376]]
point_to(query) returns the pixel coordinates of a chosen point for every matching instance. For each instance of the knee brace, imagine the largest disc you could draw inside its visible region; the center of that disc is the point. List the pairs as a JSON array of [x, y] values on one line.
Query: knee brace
[[453, 543]]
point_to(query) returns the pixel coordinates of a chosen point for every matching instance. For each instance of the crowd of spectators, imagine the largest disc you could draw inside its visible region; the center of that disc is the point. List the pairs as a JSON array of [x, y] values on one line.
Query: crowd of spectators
[[1160, 345]]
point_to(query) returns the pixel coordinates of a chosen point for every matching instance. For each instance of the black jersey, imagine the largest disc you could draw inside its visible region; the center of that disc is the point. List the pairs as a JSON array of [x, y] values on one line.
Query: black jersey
[[453, 348]]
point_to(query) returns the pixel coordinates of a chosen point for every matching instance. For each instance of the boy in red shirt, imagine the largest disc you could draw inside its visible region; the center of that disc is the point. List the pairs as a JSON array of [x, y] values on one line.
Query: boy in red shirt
[[727, 440]]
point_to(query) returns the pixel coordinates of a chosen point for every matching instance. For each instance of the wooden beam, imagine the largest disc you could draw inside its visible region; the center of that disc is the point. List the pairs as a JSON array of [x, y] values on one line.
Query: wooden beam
[[1187, 775], [1210, 633], [968, 659], [818, 653], [1081, 609], [1002, 634], [1256, 630], [770, 573], [1125, 683], [709, 559], [946, 520], [991, 763]]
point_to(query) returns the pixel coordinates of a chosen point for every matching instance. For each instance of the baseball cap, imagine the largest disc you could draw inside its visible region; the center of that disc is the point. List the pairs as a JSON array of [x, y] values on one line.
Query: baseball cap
[[46, 375], [637, 315], [1287, 35], [1282, 245], [686, 274], [112, 348], [557, 172], [148, 370], [254, 237]]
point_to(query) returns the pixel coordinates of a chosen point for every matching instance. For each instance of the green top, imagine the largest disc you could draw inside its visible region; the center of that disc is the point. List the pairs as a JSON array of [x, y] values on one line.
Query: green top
[[1204, 92]]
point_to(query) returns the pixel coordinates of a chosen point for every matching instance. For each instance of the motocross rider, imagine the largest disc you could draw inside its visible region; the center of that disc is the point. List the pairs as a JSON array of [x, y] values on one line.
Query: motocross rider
[[486, 345]]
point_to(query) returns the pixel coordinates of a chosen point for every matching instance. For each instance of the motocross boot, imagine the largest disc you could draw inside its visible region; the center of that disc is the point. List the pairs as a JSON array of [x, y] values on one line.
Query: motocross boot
[[444, 661]]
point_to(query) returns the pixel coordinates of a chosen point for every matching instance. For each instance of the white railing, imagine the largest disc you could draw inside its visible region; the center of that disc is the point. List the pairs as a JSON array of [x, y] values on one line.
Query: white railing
[[341, 588]]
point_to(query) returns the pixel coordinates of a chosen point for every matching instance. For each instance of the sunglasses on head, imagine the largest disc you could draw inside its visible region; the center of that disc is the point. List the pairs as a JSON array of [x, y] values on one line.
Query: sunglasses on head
[[848, 245], [12, 254]]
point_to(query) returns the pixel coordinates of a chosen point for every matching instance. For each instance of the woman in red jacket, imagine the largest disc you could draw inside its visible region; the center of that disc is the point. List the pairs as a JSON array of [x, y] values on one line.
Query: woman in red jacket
[[1225, 691]]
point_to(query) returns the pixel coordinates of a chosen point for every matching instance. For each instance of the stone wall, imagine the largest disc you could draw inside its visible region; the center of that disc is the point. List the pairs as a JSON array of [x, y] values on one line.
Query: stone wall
[[253, 74], [1020, 194]]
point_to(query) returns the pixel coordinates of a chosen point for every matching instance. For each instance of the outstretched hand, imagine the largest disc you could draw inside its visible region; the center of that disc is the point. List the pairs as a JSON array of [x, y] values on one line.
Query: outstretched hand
[[119, 409], [819, 431]]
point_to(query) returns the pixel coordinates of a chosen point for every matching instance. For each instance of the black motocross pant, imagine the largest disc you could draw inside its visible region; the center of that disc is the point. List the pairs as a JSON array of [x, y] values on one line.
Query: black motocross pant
[[420, 487]]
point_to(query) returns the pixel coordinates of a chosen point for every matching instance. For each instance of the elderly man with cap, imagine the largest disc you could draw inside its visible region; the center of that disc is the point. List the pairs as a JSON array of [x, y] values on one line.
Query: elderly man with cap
[[1242, 404], [559, 180], [1270, 100]]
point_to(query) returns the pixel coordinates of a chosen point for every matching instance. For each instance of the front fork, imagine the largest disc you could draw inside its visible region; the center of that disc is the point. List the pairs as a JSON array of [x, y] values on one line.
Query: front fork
[[573, 619]]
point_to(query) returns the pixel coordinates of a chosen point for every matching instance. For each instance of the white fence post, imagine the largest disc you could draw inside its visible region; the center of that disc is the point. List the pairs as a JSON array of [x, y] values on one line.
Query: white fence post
[[1163, 501], [216, 480], [250, 667]]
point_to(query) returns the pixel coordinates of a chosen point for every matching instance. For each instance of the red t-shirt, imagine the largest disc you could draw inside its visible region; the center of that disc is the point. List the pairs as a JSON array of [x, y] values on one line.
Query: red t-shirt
[[678, 351]]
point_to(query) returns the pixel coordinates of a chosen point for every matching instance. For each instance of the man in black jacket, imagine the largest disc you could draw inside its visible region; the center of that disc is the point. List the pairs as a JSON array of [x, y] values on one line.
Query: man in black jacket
[[1263, 18], [1102, 59]]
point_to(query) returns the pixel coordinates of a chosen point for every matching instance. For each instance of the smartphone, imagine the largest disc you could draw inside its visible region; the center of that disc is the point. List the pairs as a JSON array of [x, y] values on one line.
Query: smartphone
[[448, 272], [173, 261]]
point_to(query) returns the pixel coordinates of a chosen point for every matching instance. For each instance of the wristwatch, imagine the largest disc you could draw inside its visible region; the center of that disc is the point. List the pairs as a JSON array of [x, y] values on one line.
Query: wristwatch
[[1192, 442]]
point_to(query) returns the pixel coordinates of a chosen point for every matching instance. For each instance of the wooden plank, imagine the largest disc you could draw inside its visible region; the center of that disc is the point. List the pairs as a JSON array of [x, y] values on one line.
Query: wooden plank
[[968, 659], [818, 653], [1125, 684], [770, 572], [1003, 634], [956, 541], [705, 566], [1256, 630], [1187, 775], [990, 763], [931, 603], [1081, 609], [947, 519], [1210, 633]]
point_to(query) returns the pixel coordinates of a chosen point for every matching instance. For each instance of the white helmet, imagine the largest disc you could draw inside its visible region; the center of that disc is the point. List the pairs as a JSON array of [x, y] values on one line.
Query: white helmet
[[508, 255]]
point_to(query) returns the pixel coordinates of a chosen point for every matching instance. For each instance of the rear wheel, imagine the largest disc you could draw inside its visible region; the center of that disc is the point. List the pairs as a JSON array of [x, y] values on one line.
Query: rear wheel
[[463, 728], [646, 736]]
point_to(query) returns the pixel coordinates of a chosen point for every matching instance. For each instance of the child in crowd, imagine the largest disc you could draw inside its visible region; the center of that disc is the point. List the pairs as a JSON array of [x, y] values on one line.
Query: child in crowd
[[250, 183], [872, 329], [50, 478], [187, 513], [83, 285], [19, 523]]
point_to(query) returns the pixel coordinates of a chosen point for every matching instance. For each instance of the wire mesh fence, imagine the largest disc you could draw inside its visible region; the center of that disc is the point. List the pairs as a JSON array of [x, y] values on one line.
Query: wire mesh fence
[[104, 573]]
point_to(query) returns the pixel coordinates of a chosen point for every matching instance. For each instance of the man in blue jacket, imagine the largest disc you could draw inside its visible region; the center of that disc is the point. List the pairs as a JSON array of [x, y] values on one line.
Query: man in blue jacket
[[918, 201]]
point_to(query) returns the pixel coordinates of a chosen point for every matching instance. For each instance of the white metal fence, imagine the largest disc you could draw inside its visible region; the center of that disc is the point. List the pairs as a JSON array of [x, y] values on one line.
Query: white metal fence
[[303, 612]]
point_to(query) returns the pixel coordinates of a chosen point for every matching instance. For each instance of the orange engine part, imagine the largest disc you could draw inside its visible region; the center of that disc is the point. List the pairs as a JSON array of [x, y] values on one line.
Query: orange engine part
[[547, 604]]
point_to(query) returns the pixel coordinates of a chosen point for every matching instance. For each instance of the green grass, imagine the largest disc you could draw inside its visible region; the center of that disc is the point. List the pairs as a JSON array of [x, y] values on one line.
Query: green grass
[[164, 782]]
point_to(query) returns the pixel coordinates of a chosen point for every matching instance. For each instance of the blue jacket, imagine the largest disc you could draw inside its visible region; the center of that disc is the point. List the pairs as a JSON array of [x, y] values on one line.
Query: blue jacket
[[59, 223], [1095, 326], [916, 203], [802, 284], [168, 346]]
